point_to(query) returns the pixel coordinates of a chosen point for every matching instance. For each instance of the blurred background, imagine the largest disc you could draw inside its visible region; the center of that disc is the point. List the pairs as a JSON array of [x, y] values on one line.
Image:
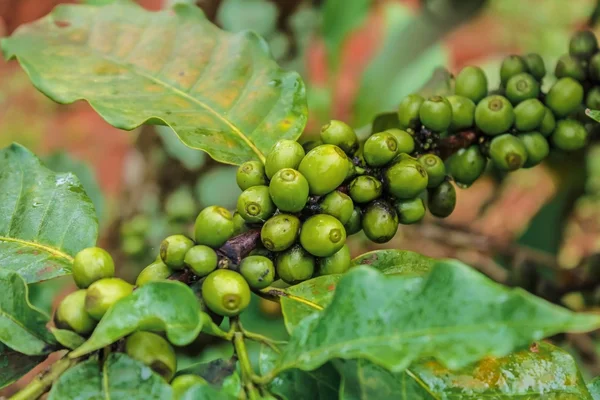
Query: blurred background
[[537, 228]]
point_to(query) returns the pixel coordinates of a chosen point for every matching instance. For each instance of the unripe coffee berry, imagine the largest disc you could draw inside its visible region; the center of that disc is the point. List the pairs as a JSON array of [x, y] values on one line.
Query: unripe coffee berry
[[570, 67], [535, 65], [408, 112], [90, 265], [365, 188], [511, 66], [565, 97], [380, 221], [284, 154], [102, 294], [569, 135], [536, 146], [214, 226], [201, 260], [154, 351], [548, 123], [435, 168], [405, 179], [280, 232], [466, 165], [255, 204], [173, 250], [322, 235], [295, 265], [258, 271], [337, 263], [522, 87], [338, 205], [583, 44], [380, 148], [289, 190], [325, 168], [529, 115], [410, 211], [225, 292], [341, 135], [436, 114], [354, 225], [251, 173], [405, 141], [463, 112], [442, 200], [156, 271], [471, 83], [494, 115], [71, 314], [507, 152]]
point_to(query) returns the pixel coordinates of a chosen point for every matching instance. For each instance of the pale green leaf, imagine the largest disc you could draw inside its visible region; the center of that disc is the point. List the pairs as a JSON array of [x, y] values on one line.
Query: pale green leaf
[[119, 378], [67, 338], [259, 16], [14, 365], [164, 306], [220, 92], [454, 314], [45, 218]]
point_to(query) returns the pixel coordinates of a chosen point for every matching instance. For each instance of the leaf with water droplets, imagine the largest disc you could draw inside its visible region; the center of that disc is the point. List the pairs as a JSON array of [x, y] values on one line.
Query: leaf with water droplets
[[544, 372], [14, 365], [454, 314], [163, 306], [119, 378], [220, 92], [45, 217]]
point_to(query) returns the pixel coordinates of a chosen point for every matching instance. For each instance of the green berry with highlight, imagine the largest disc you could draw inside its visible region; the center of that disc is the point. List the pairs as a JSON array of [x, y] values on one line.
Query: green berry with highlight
[[284, 154], [255, 204], [365, 188], [289, 190], [280, 232], [436, 113], [250, 173], [508, 152], [410, 211], [214, 226], [408, 112], [337, 263], [201, 260], [258, 271], [322, 235], [435, 168]]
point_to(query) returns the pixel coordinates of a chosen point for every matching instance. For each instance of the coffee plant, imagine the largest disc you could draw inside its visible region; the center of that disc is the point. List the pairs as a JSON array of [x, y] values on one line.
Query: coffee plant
[[389, 323]]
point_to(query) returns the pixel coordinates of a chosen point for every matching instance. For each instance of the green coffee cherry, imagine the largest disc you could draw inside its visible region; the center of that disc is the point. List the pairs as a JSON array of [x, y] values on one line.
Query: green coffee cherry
[[182, 383], [157, 271], [71, 314], [325, 168], [239, 224], [463, 112], [379, 221], [173, 249], [471, 83], [154, 351], [571, 67], [594, 68], [337, 204], [535, 65], [295, 265], [548, 123], [90, 265], [201, 260], [180, 205], [322, 235], [337, 263], [410, 211], [442, 200], [511, 66], [280, 232], [529, 115], [311, 144], [341, 135], [466, 165], [536, 146], [583, 44], [494, 115], [435, 168], [569, 135], [365, 188], [284, 154], [404, 140], [436, 113], [354, 225], [405, 179], [408, 111], [564, 97], [255, 204], [214, 226], [225, 292], [289, 190], [507, 152], [258, 271], [522, 87], [592, 100], [102, 294], [250, 173], [380, 149]]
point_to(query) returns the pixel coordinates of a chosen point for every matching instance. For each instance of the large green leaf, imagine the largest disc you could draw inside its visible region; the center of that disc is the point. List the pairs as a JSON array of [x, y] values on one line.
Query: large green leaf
[[119, 378], [454, 314], [340, 18], [220, 92], [14, 365], [22, 326], [45, 217], [322, 383], [545, 373], [168, 306], [392, 262]]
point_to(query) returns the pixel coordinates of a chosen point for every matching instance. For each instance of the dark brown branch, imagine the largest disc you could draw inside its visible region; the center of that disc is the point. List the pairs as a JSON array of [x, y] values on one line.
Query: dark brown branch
[[454, 143], [240, 246]]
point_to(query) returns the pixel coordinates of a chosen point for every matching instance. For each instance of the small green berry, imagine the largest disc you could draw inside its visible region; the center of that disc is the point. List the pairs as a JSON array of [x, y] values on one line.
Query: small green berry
[[251, 173], [548, 123], [255, 204], [226, 292], [405, 179], [289, 190], [379, 221], [536, 146], [337, 204], [258, 271], [337, 263], [410, 211], [341, 135], [466, 165], [594, 68], [463, 112], [564, 97], [201, 260], [471, 83], [571, 67], [325, 168], [507, 152], [365, 188], [154, 351], [284, 154], [71, 314], [435, 168], [173, 249], [295, 265], [182, 383], [522, 87], [405, 141], [494, 115], [354, 225], [90, 265], [583, 44], [214, 226], [280, 232], [380, 149], [442, 200], [239, 224], [408, 112], [102, 294], [322, 235], [535, 65], [529, 115], [569, 135], [511, 66], [156, 271], [436, 113]]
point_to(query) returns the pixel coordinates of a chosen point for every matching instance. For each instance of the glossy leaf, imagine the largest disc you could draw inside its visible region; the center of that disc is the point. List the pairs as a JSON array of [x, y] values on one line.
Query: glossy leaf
[[119, 378], [45, 218], [206, 392], [14, 365], [165, 306], [322, 383], [220, 92], [454, 314], [392, 262], [22, 326], [340, 18], [544, 372], [67, 338]]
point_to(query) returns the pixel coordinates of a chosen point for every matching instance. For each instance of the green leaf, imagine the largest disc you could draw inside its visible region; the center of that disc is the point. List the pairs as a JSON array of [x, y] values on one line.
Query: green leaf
[[322, 383], [206, 392], [191, 158], [594, 388], [593, 114], [66, 338], [392, 262], [220, 92], [259, 16], [119, 378], [545, 372], [454, 314], [340, 18], [168, 306], [45, 218], [22, 326], [63, 162], [14, 365]]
